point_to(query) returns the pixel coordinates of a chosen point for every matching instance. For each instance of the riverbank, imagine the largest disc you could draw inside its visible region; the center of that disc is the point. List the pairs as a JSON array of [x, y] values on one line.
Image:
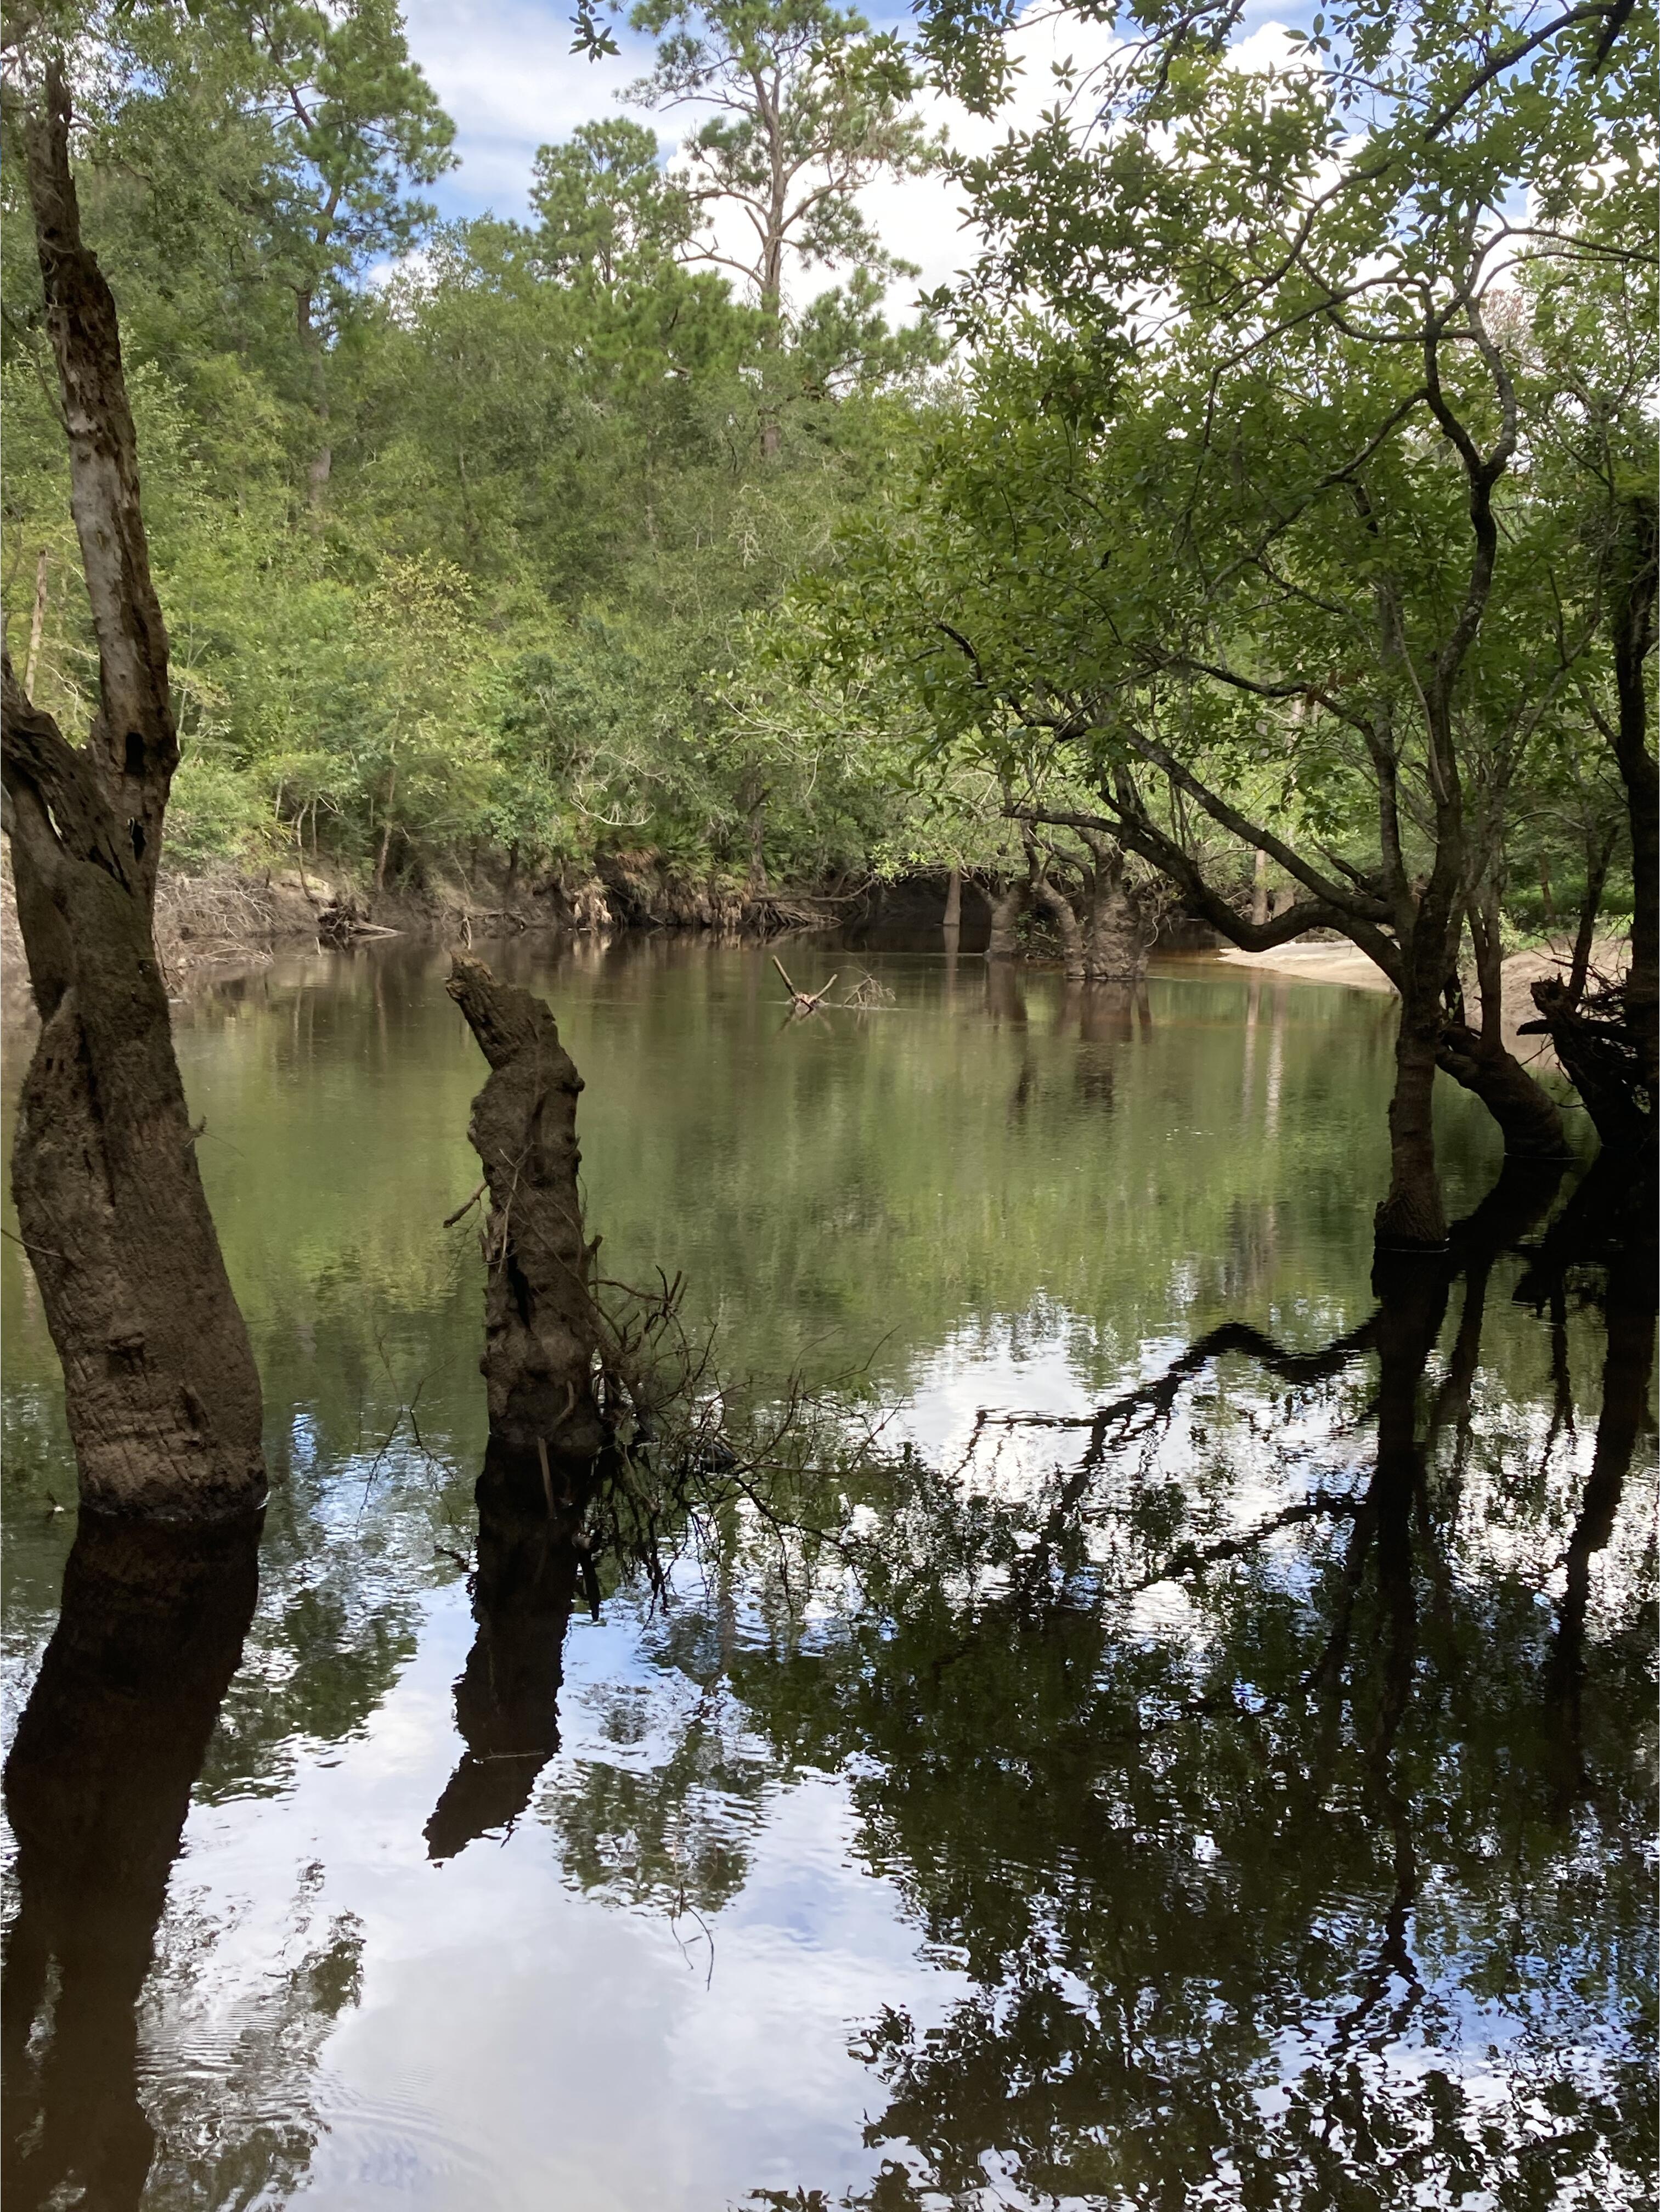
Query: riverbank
[[1343, 965], [223, 917]]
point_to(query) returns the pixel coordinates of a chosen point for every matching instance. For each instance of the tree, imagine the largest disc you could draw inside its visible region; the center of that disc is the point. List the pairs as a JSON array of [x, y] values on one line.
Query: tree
[[354, 122], [1252, 491], [605, 205], [811, 105], [160, 1384]]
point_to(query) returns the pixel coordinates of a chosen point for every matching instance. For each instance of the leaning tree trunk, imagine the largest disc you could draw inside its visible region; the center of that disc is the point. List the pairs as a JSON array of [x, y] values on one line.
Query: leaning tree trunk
[[540, 1325], [1065, 921], [1479, 1060], [159, 1379]]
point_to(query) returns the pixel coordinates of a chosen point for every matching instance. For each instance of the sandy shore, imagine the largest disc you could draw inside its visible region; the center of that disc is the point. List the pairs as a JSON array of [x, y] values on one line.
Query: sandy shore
[[1314, 964], [1342, 964]]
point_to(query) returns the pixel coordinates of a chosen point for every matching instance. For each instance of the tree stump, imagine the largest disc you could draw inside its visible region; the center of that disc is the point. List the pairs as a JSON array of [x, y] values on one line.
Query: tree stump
[[541, 1329]]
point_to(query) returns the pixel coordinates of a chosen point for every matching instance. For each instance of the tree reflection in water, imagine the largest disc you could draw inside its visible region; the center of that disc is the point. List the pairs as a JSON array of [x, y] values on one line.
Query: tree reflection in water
[[1276, 1895], [97, 1787], [507, 1699]]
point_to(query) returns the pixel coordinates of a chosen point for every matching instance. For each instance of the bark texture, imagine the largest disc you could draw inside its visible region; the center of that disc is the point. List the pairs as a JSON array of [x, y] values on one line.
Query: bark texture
[[1117, 932], [97, 1785], [540, 1326], [1005, 913], [1412, 1215], [160, 1384]]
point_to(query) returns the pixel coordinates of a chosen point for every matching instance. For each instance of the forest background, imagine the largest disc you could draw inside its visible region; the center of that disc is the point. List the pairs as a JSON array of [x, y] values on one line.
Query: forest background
[[517, 553], [463, 529]]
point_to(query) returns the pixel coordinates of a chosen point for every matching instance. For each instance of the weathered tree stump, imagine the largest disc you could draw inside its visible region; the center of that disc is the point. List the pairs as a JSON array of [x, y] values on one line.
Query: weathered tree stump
[[541, 1328]]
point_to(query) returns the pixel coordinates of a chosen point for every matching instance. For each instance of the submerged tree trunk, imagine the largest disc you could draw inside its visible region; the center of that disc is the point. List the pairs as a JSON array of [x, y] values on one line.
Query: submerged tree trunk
[[1005, 913], [1116, 935], [541, 1327], [158, 1381]]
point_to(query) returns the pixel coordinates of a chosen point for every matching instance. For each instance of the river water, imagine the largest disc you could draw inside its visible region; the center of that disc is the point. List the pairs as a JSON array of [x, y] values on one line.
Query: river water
[[1212, 1769]]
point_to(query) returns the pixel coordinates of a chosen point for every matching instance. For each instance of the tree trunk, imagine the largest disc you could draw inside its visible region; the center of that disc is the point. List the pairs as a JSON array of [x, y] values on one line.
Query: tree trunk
[[385, 835], [1259, 890], [954, 900], [1634, 638], [1065, 921], [1597, 857], [541, 1327], [319, 468], [1412, 1216], [97, 1787], [1526, 1113], [158, 1381], [37, 621], [1116, 946], [1006, 914]]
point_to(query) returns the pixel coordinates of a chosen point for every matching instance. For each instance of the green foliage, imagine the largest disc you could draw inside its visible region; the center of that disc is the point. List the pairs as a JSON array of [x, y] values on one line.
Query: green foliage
[[459, 560], [1288, 457]]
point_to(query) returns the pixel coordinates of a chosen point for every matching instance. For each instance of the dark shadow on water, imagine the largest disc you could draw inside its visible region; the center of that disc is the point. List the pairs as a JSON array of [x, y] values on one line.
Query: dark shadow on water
[[97, 1789]]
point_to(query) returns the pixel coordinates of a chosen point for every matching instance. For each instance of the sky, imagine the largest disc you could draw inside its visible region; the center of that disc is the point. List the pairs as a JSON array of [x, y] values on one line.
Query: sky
[[504, 71]]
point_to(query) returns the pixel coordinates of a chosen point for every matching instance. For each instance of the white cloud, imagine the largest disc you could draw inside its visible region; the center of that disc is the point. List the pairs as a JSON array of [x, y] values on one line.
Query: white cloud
[[503, 70]]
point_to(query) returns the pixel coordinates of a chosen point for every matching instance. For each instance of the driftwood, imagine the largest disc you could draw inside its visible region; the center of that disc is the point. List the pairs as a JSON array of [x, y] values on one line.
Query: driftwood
[[803, 1002], [541, 1326], [341, 923]]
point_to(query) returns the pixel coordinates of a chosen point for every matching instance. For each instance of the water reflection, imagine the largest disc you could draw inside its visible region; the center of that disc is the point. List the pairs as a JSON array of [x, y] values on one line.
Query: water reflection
[[97, 1786], [1250, 1882], [507, 1699], [1230, 1788]]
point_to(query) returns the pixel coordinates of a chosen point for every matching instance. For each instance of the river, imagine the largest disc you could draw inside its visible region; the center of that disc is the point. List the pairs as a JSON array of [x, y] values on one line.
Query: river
[[1214, 1769]]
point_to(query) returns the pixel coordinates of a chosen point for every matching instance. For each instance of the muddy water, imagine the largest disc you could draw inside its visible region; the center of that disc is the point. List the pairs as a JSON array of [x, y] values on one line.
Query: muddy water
[[1212, 1767]]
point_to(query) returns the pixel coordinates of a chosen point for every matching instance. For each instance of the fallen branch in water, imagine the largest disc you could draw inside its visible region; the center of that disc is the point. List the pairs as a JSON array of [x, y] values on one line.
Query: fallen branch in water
[[805, 1002]]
